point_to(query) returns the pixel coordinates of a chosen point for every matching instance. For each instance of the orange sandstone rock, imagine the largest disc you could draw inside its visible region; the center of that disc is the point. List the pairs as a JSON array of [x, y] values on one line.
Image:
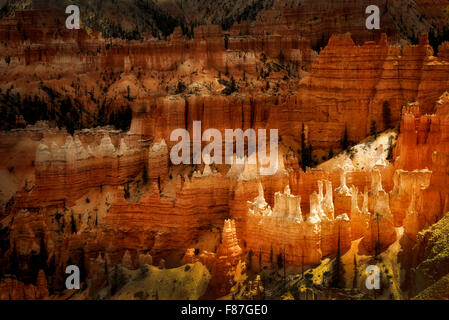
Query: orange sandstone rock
[[228, 265]]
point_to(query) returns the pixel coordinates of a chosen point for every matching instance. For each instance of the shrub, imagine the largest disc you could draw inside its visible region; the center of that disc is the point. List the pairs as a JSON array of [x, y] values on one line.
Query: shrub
[[386, 114], [121, 119], [126, 190], [231, 87], [281, 58], [145, 175], [280, 261], [180, 87], [117, 280]]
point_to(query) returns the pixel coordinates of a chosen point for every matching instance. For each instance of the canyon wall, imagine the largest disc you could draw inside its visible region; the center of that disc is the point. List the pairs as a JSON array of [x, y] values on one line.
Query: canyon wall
[[63, 174], [366, 78], [423, 146]]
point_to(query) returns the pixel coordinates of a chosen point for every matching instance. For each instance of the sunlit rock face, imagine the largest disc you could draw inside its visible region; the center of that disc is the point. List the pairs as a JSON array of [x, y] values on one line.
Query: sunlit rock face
[[228, 265], [407, 184], [345, 79], [337, 77], [306, 237], [64, 173], [372, 73], [360, 217]]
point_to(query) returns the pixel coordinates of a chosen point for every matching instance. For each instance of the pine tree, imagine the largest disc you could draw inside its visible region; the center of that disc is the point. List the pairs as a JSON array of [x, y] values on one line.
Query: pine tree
[[233, 85], [281, 58], [373, 129], [386, 114], [354, 280], [106, 271], [250, 258], [337, 280], [309, 156], [284, 265], [271, 255], [345, 141], [145, 175], [302, 263], [82, 267], [378, 244], [43, 255], [50, 272], [126, 191], [305, 152], [13, 260], [391, 146], [117, 280], [280, 263], [73, 224]]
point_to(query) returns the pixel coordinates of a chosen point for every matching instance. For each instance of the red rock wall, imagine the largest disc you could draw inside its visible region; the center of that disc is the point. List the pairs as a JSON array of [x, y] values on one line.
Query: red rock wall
[[424, 144]]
